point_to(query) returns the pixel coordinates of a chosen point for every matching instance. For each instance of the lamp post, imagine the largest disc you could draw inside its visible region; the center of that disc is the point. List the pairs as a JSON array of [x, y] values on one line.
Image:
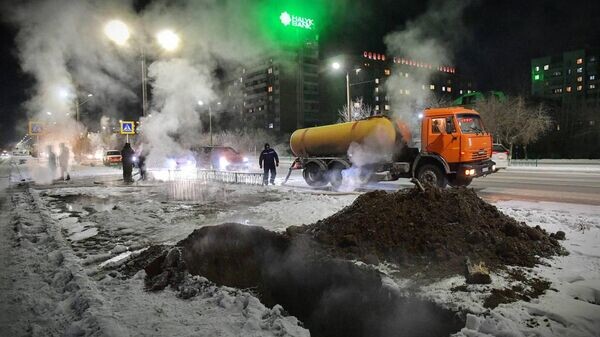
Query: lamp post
[[118, 32], [337, 66], [77, 104], [201, 103]]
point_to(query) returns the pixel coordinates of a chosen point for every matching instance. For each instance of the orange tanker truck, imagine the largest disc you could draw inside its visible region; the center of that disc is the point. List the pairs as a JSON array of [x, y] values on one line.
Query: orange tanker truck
[[454, 149]]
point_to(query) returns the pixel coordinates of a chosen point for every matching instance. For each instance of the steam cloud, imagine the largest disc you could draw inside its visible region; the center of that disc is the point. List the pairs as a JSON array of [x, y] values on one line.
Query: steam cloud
[[62, 45], [431, 38]]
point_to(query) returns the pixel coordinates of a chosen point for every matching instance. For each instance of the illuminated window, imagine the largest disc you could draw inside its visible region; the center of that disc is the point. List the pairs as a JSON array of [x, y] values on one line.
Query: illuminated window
[[387, 107], [387, 72], [376, 81], [579, 61], [537, 68], [270, 125], [423, 87], [270, 88], [546, 67], [444, 89], [568, 89], [580, 69], [592, 86], [579, 87], [468, 91], [377, 107], [270, 70], [460, 92], [406, 75], [376, 89], [580, 79], [376, 98], [536, 77], [401, 91], [449, 89], [592, 77], [260, 108], [407, 92], [432, 86]]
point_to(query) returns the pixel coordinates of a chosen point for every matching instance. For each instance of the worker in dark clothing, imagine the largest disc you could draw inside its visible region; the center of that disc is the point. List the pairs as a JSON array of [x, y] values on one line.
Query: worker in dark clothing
[[142, 164], [268, 160], [127, 161]]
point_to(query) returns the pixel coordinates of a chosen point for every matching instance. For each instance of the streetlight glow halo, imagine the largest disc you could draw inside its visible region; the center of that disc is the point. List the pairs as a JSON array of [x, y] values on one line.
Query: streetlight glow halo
[[336, 65], [168, 39], [117, 31]]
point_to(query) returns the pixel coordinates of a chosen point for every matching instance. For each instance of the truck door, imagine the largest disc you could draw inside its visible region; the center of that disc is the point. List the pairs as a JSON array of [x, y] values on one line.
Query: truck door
[[442, 138]]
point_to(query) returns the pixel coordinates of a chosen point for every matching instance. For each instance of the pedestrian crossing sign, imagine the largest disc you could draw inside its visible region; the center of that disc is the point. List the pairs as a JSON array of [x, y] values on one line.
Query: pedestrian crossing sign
[[127, 128]]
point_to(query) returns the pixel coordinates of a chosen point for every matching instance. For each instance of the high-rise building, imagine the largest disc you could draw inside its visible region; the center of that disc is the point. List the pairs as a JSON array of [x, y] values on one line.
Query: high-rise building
[[280, 91], [369, 73], [571, 78]]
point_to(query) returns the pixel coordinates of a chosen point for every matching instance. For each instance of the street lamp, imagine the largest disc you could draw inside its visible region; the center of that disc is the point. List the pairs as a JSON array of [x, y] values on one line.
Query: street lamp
[[201, 103], [78, 104], [168, 40], [118, 32], [337, 66]]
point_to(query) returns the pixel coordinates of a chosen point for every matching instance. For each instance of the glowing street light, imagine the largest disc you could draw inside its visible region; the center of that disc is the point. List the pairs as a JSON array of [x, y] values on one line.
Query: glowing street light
[[336, 65], [117, 31], [168, 40]]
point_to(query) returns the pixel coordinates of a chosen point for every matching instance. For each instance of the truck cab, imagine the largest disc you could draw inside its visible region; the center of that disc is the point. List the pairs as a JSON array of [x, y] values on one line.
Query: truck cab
[[455, 147]]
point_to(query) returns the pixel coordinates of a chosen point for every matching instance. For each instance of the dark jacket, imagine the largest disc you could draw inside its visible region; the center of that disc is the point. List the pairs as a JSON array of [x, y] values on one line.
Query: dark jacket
[[268, 158], [127, 155]]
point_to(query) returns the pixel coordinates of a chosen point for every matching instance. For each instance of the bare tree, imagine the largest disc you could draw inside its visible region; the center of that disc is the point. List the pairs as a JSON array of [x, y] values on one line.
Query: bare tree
[[513, 121], [360, 110]]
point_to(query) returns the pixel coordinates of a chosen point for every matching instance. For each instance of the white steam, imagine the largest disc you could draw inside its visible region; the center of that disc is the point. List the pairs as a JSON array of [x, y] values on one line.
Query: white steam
[[431, 39], [62, 44]]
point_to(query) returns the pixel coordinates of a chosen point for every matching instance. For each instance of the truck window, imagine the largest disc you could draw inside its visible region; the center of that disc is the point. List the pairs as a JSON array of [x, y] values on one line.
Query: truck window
[[470, 123], [438, 125]]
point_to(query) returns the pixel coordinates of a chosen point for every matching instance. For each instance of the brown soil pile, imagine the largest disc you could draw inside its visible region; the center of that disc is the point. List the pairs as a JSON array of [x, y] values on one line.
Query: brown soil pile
[[430, 232]]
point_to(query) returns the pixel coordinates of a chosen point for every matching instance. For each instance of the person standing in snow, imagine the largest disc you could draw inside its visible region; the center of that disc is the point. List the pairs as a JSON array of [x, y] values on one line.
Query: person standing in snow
[[63, 158], [51, 162], [269, 160], [142, 164], [127, 162]]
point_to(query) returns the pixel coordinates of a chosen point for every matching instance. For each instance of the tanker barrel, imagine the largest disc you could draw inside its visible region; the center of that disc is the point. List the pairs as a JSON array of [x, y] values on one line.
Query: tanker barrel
[[334, 140]]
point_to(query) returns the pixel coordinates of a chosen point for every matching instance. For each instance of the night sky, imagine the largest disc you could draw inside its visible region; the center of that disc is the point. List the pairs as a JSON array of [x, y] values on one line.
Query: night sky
[[495, 53]]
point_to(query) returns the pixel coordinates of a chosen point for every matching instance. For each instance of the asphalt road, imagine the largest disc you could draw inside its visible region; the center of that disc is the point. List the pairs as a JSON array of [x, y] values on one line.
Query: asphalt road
[[533, 184], [526, 184]]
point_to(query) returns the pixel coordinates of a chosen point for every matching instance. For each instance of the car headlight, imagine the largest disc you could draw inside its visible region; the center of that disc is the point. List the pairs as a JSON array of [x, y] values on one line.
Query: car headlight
[[223, 162]]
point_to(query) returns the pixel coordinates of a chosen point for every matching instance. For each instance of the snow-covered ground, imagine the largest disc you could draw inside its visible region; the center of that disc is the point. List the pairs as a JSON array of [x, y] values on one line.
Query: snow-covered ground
[[67, 237]]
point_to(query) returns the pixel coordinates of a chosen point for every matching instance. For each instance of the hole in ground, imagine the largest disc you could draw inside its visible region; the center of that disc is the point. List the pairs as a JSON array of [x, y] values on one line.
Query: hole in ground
[[332, 297]]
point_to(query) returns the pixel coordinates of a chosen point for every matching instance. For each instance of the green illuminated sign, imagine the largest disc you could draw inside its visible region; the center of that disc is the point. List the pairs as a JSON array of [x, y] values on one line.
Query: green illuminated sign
[[287, 19]]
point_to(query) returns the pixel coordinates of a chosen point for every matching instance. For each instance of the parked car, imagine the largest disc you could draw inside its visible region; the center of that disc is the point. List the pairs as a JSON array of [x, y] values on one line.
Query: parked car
[[5, 154], [500, 155], [112, 157], [220, 158]]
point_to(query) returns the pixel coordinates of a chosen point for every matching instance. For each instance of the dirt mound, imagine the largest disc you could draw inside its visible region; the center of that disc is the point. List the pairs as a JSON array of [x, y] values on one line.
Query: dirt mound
[[431, 232]]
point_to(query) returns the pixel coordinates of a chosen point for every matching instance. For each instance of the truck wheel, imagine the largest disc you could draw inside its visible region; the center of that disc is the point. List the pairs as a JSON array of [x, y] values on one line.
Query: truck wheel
[[335, 177], [432, 175], [314, 175], [458, 182]]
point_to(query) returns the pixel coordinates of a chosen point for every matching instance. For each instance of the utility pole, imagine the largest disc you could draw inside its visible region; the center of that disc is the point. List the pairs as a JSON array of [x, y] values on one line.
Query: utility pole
[[348, 96], [144, 83]]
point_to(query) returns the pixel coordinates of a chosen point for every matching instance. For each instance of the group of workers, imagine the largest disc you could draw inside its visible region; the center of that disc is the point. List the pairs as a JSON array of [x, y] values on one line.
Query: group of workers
[[61, 161], [268, 161], [129, 159]]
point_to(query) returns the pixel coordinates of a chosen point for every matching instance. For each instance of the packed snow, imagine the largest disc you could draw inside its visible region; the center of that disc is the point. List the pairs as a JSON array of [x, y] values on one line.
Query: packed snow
[[64, 239]]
